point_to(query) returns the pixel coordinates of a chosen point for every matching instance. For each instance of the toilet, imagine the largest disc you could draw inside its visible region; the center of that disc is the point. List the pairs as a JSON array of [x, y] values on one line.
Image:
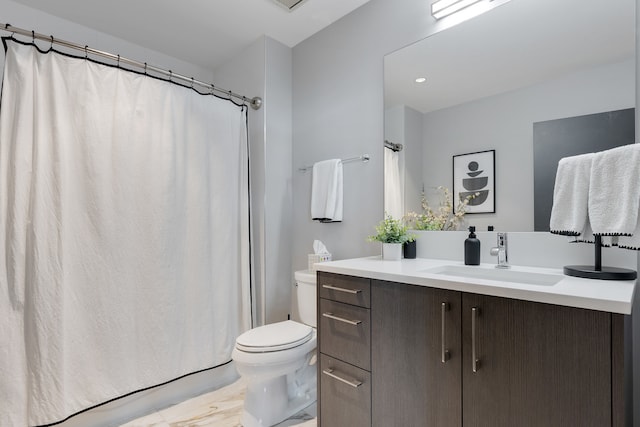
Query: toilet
[[278, 362]]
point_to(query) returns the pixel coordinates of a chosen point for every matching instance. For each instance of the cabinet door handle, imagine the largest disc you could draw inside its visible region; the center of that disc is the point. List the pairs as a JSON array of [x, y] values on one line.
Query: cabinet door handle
[[348, 291], [352, 383], [445, 352], [475, 362], [342, 319]]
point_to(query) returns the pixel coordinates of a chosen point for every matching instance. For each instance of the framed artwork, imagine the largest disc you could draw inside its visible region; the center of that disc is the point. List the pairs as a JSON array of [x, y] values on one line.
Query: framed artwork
[[474, 176]]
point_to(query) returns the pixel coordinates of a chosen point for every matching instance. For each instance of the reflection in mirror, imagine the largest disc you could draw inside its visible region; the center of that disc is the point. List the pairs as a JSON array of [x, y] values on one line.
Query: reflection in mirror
[[487, 81], [393, 179]]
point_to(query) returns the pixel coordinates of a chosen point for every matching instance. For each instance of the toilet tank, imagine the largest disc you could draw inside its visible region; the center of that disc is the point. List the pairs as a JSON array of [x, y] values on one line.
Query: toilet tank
[[306, 295]]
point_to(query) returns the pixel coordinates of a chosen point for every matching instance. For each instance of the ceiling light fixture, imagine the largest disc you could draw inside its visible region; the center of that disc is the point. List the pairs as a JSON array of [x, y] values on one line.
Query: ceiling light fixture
[[442, 8], [421, 80]]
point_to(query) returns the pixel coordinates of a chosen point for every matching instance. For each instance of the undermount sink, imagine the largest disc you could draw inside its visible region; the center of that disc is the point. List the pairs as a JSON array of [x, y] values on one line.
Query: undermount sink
[[501, 275]]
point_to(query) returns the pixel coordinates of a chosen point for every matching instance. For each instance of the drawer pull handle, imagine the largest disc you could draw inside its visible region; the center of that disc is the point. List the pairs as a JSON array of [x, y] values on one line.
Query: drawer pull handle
[[474, 356], [348, 291], [342, 319], [444, 351], [352, 383]]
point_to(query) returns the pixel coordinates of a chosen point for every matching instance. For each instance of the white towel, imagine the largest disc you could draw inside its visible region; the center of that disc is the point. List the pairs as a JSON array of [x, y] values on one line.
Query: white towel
[[630, 242], [569, 213], [326, 191], [614, 191], [587, 237]]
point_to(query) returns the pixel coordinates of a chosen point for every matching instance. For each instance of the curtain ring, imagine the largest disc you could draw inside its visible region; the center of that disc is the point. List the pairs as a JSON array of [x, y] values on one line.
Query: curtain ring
[[33, 36], [86, 54], [6, 28], [170, 76], [145, 68], [191, 82], [51, 47], [118, 61], [213, 87]]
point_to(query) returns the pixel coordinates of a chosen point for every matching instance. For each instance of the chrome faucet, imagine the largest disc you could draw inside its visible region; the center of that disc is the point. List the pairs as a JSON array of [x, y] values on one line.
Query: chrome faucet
[[501, 251]]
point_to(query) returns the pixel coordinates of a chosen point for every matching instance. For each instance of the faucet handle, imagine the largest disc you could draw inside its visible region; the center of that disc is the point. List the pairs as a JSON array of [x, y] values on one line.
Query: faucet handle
[[502, 239], [501, 251], [494, 251]]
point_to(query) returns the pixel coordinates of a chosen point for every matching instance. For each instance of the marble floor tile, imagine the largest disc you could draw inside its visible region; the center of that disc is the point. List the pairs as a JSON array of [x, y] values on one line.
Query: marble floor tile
[[151, 420], [305, 418], [219, 408]]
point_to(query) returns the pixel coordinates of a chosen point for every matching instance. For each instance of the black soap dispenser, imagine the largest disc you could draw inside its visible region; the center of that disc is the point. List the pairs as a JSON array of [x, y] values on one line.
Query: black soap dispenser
[[472, 248]]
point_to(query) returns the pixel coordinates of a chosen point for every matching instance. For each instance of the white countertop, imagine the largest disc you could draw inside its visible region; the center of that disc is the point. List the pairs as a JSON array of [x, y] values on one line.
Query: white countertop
[[603, 295]]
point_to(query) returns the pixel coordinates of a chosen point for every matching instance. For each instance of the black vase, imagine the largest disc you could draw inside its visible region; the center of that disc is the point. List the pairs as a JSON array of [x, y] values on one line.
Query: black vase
[[409, 249]]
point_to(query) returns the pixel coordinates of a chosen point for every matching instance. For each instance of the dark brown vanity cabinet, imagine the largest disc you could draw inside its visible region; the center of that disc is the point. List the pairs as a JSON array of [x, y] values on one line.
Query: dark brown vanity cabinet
[[448, 358], [344, 343], [531, 364], [416, 355], [461, 359]]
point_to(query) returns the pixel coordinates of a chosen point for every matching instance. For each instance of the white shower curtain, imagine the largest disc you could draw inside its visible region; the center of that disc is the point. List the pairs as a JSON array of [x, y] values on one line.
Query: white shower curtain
[[124, 233], [393, 185]]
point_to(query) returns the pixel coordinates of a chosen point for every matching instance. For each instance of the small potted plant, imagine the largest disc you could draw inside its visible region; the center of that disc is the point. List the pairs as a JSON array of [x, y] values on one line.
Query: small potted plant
[[392, 233], [409, 248]]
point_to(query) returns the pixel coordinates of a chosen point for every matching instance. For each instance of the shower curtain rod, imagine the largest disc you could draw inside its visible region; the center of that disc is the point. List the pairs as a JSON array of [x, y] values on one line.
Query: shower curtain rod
[[255, 102], [393, 145]]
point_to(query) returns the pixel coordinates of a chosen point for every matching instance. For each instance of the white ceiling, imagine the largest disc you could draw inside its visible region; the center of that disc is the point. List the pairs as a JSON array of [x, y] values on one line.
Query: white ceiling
[[203, 32], [515, 45]]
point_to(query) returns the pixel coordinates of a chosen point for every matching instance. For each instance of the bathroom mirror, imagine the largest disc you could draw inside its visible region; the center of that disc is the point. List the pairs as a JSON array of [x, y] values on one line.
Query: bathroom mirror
[[487, 81]]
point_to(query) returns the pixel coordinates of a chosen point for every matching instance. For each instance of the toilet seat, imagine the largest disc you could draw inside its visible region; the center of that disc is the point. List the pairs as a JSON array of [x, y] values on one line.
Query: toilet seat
[[274, 337]]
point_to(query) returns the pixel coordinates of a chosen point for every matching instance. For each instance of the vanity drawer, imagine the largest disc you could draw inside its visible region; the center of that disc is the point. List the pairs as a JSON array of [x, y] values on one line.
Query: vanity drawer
[[347, 289], [345, 394], [345, 332]]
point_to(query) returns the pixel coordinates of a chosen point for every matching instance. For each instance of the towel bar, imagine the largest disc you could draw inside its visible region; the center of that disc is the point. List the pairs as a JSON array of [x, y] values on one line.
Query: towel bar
[[364, 158]]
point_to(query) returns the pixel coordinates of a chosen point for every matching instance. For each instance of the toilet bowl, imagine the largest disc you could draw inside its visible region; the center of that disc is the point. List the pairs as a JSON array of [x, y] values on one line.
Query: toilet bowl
[[278, 362]]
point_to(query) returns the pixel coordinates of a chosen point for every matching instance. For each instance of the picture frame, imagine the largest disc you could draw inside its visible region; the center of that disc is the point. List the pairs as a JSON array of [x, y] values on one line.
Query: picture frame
[[475, 173]]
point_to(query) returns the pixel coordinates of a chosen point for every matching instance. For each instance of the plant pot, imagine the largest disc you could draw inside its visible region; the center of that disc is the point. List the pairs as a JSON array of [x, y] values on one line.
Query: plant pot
[[409, 249], [392, 251]]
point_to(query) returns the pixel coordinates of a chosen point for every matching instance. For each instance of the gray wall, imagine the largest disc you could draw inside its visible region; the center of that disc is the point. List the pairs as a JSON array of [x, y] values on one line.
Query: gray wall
[[278, 191], [264, 69], [32, 19], [413, 154], [338, 113]]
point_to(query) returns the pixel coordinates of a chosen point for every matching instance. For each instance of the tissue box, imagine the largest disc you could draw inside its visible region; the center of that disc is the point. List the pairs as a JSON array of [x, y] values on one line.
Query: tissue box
[[313, 258]]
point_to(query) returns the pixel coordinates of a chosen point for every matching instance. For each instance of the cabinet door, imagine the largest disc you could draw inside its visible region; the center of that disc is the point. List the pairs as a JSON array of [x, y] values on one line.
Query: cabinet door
[[347, 289], [411, 385], [345, 335], [345, 394], [537, 364]]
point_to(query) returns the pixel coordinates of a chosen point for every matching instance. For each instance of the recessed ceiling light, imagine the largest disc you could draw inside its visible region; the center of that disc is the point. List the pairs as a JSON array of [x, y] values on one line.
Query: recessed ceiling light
[[421, 80]]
